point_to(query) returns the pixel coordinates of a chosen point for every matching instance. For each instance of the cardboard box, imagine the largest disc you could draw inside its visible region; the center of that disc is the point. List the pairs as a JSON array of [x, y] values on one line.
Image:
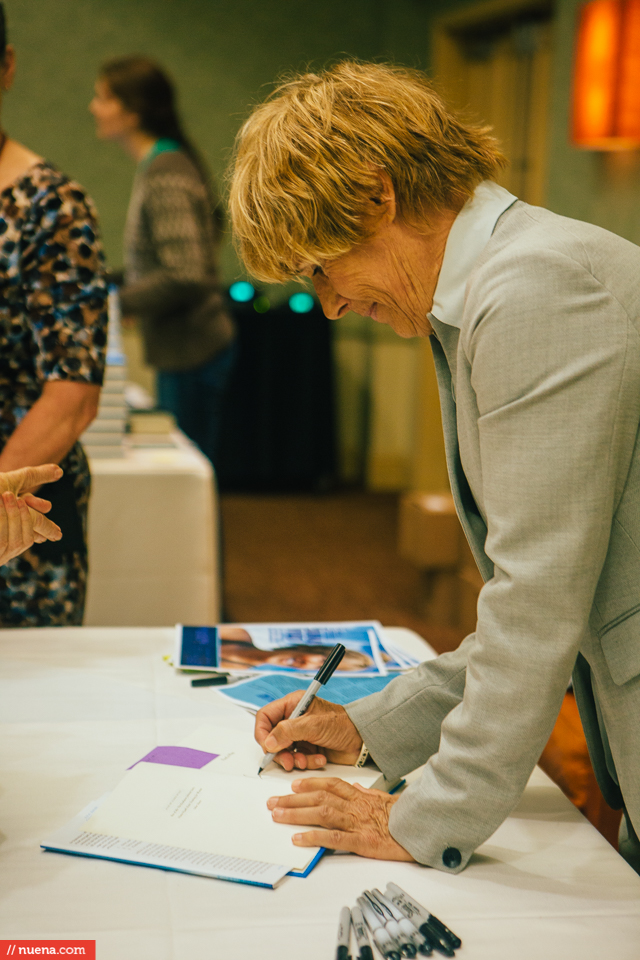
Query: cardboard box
[[429, 530], [430, 537]]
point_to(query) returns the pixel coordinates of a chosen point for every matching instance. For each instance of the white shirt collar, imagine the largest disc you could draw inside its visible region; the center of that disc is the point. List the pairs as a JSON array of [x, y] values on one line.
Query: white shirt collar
[[467, 238]]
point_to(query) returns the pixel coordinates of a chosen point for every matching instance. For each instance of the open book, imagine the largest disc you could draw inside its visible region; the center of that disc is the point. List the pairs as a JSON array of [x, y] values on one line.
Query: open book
[[201, 808]]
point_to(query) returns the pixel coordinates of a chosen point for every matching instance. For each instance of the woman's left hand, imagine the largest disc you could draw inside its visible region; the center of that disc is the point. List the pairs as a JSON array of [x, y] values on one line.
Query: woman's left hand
[[22, 520], [350, 818], [23, 481]]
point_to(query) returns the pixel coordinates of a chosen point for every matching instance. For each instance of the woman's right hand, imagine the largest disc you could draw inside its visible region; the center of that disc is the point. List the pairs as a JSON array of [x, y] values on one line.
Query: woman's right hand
[[324, 733], [22, 520]]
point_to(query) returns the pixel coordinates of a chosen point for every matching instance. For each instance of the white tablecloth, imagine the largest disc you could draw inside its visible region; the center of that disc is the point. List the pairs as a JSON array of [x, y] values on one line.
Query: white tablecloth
[[153, 557], [77, 706]]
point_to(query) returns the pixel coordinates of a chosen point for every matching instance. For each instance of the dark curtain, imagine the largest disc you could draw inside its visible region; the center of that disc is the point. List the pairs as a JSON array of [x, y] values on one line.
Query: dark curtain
[[278, 429]]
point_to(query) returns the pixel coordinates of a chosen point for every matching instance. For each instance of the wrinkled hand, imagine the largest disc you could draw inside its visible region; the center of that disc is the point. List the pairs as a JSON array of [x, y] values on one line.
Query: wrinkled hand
[[325, 732], [22, 520], [347, 817]]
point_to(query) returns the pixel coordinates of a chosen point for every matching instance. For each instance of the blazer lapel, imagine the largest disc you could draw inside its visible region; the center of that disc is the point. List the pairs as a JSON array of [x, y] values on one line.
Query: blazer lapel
[[473, 525]]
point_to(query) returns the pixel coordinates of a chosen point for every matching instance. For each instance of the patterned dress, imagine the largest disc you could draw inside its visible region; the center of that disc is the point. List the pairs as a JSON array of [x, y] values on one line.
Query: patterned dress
[[53, 326]]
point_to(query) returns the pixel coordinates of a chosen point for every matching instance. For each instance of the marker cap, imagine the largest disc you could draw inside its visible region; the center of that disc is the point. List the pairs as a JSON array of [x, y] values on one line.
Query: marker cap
[[330, 664]]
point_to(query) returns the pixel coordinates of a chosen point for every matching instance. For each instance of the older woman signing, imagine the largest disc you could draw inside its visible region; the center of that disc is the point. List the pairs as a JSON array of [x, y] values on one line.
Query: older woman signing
[[362, 180]]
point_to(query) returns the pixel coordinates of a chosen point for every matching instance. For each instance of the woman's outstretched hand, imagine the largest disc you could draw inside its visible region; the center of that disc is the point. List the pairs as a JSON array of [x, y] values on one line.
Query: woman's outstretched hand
[[22, 520], [325, 732], [345, 817]]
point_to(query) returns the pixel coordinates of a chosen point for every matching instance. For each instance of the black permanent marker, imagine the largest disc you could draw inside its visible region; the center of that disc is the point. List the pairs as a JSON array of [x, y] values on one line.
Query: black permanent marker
[[215, 680], [424, 946], [383, 939], [362, 938], [407, 947], [344, 933], [424, 920], [324, 673], [421, 917]]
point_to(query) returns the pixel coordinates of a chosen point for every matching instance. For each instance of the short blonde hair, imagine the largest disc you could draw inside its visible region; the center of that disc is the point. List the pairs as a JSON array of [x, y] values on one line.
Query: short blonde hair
[[306, 162]]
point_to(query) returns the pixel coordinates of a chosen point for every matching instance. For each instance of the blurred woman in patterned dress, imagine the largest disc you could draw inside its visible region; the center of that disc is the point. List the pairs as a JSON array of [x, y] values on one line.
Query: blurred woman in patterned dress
[[52, 345]]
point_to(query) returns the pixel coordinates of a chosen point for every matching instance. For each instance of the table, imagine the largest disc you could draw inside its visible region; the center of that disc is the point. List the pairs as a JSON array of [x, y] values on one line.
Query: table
[[153, 538], [79, 705]]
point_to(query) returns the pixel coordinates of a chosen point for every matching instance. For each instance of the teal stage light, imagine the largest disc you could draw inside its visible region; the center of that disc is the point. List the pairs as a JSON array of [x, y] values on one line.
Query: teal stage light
[[301, 302], [261, 305], [241, 291]]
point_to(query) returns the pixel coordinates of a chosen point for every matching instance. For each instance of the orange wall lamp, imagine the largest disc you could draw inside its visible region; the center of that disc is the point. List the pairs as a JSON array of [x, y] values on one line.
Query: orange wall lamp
[[606, 80]]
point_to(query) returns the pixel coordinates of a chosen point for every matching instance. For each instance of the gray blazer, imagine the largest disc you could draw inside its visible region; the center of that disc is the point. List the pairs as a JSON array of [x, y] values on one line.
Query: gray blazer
[[540, 396]]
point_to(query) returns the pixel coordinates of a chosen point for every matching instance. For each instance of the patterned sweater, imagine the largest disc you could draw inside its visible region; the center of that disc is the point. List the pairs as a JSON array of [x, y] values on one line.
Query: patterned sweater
[[171, 281]]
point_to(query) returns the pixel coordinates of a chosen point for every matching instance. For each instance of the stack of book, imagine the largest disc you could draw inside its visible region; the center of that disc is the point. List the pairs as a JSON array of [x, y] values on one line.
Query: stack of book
[[105, 436]]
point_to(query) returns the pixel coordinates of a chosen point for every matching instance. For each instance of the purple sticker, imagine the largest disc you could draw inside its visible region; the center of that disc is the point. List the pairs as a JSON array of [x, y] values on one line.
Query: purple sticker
[[178, 757]]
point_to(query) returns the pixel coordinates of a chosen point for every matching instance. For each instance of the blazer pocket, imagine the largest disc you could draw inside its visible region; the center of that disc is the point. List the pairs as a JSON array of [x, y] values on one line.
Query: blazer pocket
[[620, 642]]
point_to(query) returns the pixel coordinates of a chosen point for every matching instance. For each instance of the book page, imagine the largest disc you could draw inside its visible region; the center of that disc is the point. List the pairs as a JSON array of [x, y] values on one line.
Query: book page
[[188, 808], [73, 838], [239, 754]]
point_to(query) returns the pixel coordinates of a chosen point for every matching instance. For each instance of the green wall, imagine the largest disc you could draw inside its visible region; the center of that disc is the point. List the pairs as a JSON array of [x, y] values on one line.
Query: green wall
[[222, 54], [602, 188]]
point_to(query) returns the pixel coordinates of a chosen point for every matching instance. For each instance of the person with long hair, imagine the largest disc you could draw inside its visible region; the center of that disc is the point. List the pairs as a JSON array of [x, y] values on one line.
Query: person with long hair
[[172, 236], [53, 322]]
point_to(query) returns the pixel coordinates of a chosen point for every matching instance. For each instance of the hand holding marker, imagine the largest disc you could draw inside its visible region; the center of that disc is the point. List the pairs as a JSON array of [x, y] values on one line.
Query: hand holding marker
[[324, 673]]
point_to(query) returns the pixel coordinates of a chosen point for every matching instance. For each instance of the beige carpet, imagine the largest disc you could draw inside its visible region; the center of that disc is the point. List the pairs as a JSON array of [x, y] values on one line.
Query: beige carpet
[[329, 557]]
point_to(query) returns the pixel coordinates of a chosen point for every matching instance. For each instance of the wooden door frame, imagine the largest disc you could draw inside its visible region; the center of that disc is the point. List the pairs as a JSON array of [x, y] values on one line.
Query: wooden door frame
[[446, 56]]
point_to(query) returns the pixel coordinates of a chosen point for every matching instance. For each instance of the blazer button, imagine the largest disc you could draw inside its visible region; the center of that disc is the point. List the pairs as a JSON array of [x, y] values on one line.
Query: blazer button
[[452, 858]]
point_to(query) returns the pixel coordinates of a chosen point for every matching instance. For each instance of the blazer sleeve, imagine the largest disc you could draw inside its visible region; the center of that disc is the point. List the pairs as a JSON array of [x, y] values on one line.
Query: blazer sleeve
[[553, 363], [401, 724]]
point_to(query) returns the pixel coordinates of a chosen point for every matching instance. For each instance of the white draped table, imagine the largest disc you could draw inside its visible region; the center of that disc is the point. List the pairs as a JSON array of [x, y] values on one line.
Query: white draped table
[[153, 532], [78, 706]]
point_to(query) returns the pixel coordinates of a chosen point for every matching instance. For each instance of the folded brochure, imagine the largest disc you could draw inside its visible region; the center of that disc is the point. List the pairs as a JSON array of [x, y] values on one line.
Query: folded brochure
[[256, 692], [301, 648]]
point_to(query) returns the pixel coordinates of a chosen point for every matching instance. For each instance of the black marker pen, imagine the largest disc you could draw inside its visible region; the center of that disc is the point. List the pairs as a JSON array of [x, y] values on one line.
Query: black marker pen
[[362, 938], [409, 929], [407, 947], [344, 932], [383, 939], [425, 921], [215, 680], [324, 673]]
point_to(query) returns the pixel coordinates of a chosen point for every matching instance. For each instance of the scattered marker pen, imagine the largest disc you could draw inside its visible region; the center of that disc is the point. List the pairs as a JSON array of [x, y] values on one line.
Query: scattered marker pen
[[423, 946], [407, 947], [215, 680], [344, 932], [362, 938], [383, 939], [448, 940]]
